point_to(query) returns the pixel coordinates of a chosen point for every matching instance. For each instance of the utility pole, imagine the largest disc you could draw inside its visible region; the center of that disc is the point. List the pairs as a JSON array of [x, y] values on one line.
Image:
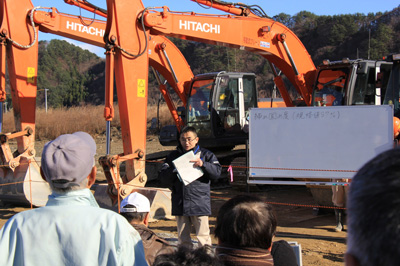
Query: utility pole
[[227, 55], [369, 41], [45, 98]]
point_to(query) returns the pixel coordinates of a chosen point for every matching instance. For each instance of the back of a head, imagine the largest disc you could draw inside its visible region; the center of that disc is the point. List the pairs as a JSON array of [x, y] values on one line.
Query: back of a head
[[202, 256], [246, 221], [374, 211], [68, 160]]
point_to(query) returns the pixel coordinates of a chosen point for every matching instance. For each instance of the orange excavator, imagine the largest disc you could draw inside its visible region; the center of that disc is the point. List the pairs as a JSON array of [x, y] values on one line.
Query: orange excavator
[[223, 127], [261, 35], [20, 166], [133, 40], [244, 29]]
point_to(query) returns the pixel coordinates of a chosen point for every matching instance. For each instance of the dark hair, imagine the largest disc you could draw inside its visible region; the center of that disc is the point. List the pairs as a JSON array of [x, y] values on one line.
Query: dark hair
[[246, 221], [188, 129], [202, 256], [373, 211], [133, 216]]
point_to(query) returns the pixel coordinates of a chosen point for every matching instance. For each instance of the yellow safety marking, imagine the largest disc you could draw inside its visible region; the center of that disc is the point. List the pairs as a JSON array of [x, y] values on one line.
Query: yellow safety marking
[[141, 88], [31, 75]]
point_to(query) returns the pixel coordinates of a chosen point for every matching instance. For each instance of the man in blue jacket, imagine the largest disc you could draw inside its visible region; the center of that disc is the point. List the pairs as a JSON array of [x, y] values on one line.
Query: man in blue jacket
[[191, 204]]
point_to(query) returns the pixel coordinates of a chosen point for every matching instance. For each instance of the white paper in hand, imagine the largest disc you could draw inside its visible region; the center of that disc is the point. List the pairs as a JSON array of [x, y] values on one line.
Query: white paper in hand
[[186, 172]]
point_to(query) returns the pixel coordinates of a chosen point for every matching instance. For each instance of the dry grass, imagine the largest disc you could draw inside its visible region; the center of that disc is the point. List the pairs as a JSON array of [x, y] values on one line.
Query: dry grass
[[164, 114], [84, 118]]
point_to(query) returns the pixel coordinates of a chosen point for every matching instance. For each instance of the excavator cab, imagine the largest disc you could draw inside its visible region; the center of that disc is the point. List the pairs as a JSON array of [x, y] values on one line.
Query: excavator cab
[[329, 89], [351, 82], [218, 107]]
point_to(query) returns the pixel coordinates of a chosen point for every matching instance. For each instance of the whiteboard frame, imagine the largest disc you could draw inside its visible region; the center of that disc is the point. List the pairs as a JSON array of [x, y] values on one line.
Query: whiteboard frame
[[315, 143]]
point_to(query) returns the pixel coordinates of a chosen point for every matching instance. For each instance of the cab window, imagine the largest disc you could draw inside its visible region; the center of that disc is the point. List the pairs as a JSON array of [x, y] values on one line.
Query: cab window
[[329, 90], [199, 101]]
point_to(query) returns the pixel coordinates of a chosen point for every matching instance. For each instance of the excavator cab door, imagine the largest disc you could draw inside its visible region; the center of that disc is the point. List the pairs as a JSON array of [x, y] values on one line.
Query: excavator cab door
[[235, 94], [392, 94], [227, 113], [329, 89], [218, 107], [198, 107], [370, 82], [356, 82]]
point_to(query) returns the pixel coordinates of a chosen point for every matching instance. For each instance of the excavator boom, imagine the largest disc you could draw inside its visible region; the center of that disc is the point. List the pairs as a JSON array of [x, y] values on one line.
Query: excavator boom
[[21, 48], [134, 38], [271, 39]]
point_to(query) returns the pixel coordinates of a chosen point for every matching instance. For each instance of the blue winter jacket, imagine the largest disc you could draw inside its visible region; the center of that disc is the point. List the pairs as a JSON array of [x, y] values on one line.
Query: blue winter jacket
[[193, 199]]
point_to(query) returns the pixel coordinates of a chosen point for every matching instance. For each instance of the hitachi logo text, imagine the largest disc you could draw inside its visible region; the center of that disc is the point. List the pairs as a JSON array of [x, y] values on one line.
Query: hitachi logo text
[[81, 28], [197, 26]]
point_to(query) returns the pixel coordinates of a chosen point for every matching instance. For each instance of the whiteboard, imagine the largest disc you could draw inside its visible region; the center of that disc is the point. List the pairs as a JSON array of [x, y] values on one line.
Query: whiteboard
[[316, 142]]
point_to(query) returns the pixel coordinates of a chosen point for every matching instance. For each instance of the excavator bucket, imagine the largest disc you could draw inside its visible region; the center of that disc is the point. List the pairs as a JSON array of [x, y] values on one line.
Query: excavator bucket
[[160, 200], [24, 186]]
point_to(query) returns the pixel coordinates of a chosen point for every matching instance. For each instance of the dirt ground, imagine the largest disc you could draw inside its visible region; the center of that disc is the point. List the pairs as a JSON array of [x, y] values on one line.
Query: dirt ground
[[320, 245]]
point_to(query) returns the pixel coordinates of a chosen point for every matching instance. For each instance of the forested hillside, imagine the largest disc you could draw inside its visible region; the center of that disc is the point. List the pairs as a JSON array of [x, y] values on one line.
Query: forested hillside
[[67, 72], [75, 76]]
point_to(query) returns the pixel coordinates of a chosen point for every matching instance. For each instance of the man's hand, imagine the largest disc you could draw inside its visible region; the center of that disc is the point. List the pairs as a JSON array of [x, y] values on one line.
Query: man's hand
[[197, 162]]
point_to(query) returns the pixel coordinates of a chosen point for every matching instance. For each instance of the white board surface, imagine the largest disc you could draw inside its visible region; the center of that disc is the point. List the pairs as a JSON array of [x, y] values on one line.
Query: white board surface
[[316, 142]]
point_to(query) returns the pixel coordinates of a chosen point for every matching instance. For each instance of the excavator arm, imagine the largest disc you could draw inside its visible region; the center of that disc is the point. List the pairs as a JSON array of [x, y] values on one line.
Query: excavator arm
[[134, 38], [124, 63], [22, 69], [264, 36], [23, 75], [18, 40], [238, 9], [164, 56], [258, 34]]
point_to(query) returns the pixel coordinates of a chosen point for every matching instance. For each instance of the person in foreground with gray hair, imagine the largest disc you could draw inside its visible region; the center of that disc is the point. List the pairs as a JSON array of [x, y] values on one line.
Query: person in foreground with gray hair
[[373, 213], [71, 229]]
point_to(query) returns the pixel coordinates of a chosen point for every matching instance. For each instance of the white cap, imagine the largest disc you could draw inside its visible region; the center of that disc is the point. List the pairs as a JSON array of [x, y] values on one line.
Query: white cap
[[139, 202]]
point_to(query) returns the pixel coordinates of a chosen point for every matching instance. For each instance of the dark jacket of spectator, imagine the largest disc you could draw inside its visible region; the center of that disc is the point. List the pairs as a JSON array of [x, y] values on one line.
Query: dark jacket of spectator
[[283, 254], [153, 245]]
